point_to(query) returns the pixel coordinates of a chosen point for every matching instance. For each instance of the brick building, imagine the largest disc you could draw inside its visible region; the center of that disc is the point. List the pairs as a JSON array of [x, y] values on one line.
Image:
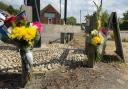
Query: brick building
[[49, 15]]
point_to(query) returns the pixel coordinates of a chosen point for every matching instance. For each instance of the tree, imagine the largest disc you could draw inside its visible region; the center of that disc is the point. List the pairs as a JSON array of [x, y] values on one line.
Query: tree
[[124, 21], [3, 6], [71, 20], [11, 10], [125, 15], [7, 8]]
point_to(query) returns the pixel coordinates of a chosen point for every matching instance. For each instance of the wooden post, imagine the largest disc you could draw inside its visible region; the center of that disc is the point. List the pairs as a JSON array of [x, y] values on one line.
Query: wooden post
[[71, 36], [24, 68], [25, 71], [90, 49], [62, 38], [28, 11], [35, 9], [116, 31], [66, 37]]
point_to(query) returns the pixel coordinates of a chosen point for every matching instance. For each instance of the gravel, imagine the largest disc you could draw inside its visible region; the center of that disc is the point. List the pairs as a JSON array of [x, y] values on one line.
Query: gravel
[[48, 57]]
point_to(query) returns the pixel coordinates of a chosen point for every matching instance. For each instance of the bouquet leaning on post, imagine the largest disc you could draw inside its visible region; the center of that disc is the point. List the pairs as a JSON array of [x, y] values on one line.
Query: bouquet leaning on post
[[99, 34], [24, 35]]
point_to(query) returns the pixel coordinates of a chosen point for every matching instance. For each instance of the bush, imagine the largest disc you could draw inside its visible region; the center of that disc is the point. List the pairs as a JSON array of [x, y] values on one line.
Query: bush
[[124, 25]]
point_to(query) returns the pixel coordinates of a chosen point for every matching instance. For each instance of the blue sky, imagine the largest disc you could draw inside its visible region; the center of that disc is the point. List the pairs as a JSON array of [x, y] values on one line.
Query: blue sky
[[74, 6]]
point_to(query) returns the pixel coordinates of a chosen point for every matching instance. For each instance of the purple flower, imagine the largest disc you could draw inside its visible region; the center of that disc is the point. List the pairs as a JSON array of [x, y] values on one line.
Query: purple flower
[[104, 30]]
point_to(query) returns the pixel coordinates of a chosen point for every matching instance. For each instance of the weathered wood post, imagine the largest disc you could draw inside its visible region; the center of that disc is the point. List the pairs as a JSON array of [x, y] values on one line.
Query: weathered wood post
[[33, 14], [35, 9], [26, 68], [90, 49], [116, 30], [66, 37]]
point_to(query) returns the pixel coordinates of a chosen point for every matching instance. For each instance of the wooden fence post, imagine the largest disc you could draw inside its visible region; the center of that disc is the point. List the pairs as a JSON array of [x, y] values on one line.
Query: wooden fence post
[[25, 70], [66, 37], [116, 31], [90, 49], [28, 11]]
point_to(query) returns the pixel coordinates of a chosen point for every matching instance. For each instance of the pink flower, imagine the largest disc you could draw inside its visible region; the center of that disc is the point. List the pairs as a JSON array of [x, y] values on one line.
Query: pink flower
[[104, 30], [38, 25]]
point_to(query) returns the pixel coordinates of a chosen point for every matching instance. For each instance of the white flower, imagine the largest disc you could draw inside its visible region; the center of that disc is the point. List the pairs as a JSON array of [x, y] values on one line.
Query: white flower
[[94, 32]]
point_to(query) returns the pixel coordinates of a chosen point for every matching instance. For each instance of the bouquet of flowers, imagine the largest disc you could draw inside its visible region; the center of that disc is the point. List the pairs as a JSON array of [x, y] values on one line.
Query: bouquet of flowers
[[21, 31], [24, 35], [99, 34]]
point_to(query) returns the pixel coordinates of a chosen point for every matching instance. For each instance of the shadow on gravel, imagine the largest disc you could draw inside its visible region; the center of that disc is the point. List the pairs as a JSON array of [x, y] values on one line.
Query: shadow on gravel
[[72, 64], [7, 48], [111, 58], [10, 81]]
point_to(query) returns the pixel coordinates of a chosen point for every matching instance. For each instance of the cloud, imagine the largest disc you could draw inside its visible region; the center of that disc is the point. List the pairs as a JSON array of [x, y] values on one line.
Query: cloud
[[74, 6]]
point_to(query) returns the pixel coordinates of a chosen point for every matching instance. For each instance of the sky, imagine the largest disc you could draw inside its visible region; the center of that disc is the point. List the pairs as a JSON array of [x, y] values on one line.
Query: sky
[[74, 6]]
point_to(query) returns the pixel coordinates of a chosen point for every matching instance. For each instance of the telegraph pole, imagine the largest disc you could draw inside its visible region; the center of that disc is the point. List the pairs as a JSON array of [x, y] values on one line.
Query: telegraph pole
[[35, 9], [65, 12], [80, 16], [60, 11]]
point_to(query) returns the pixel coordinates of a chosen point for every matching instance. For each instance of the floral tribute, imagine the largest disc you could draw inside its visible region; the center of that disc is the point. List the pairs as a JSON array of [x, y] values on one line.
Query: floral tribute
[[99, 33], [22, 34]]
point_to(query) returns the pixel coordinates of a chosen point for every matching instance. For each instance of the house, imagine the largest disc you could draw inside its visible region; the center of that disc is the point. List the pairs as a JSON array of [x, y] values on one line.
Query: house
[[49, 15]]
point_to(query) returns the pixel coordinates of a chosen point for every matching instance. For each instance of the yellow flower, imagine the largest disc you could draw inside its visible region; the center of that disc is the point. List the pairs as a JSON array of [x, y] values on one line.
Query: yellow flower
[[24, 33], [96, 40], [98, 24]]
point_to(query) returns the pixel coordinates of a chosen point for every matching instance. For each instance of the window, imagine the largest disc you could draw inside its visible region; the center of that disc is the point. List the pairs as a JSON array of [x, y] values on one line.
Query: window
[[49, 15]]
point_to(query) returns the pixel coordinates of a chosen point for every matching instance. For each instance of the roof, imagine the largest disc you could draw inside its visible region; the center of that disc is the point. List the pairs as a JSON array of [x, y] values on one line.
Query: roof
[[49, 8]]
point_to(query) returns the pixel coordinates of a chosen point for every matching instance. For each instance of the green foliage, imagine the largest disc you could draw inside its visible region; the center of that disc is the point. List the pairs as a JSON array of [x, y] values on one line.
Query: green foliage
[[125, 15], [104, 18], [124, 25], [9, 8], [71, 20], [3, 6], [124, 21]]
